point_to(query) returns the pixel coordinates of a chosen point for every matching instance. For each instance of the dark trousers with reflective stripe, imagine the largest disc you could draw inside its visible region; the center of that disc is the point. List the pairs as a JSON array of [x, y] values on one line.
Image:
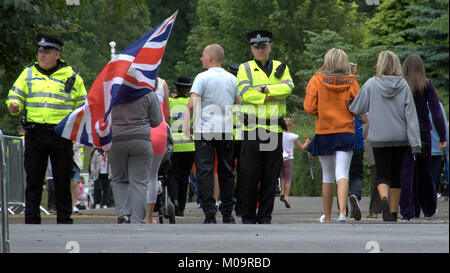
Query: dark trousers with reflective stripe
[[260, 164], [204, 163], [40, 143]]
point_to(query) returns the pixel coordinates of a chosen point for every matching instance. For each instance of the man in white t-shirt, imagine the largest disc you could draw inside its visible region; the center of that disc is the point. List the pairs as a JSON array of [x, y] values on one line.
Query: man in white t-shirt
[[213, 94]]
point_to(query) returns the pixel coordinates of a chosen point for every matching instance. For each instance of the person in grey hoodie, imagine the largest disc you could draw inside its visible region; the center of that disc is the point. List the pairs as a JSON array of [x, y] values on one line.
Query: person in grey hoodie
[[393, 127], [131, 155]]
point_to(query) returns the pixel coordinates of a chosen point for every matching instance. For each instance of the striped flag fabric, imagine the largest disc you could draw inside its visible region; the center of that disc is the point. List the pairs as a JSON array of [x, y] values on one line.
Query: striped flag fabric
[[128, 76]]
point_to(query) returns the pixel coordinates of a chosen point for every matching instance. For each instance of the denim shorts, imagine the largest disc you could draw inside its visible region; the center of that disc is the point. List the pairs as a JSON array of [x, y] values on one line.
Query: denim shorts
[[76, 174]]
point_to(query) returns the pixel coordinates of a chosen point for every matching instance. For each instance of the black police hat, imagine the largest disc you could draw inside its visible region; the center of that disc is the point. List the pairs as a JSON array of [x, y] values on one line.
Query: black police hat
[[45, 41], [259, 37], [183, 81]]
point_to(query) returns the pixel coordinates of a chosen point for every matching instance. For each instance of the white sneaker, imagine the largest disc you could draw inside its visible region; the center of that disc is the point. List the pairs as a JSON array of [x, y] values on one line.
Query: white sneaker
[[322, 218], [342, 218], [97, 206], [105, 207], [75, 210]]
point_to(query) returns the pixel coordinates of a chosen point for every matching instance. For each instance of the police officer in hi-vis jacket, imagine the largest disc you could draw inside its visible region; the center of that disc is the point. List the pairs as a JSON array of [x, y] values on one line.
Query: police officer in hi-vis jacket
[[263, 84], [46, 92]]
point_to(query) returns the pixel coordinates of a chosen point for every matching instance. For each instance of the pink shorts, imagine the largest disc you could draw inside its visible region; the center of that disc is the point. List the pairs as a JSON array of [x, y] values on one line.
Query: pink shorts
[[286, 171]]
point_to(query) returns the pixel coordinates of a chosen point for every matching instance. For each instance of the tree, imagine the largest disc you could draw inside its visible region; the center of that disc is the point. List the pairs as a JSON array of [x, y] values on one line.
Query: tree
[[392, 17], [21, 20]]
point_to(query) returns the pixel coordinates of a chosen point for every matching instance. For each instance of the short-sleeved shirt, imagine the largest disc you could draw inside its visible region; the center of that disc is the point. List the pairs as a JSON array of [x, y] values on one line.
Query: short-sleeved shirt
[[288, 145], [217, 89]]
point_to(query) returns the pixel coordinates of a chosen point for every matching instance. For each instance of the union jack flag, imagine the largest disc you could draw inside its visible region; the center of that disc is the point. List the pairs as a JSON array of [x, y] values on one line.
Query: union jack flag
[[128, 76]]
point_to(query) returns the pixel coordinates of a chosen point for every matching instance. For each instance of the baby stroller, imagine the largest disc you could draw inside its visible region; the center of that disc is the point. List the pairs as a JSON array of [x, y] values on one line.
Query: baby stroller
[[165, 208]]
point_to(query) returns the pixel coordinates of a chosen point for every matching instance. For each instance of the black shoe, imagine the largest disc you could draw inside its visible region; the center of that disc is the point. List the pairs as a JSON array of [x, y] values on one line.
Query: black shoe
[[123, 219], [386, 210], [394, 216], [229, 220], [178, 211], [210, 220]]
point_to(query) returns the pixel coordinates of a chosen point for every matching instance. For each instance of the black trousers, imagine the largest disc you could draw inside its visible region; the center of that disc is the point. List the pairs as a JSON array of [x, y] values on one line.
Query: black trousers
[[101, 190], [178, 177], [40, 143], [260, 163], [204, 163]]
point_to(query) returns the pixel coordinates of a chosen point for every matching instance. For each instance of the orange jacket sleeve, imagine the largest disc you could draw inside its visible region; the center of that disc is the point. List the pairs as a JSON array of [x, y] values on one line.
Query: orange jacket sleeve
[[310, 102]]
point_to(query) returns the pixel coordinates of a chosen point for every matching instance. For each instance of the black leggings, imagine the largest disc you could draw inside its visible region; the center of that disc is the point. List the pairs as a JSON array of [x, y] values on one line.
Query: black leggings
[[389, 165]]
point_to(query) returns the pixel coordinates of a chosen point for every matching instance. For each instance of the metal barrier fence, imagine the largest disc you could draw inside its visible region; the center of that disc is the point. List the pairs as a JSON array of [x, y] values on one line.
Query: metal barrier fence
[[12, 181], [3, 180]]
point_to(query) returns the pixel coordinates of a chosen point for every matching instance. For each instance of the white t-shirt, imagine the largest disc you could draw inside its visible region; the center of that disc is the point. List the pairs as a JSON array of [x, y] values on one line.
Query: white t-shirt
[[288, 145], [160, 91], [217, 89]]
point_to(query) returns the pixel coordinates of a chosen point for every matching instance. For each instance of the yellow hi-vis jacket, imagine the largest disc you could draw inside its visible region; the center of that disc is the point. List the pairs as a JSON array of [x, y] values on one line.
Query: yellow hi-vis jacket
[[251, 75], [44, 97], [177, 109]]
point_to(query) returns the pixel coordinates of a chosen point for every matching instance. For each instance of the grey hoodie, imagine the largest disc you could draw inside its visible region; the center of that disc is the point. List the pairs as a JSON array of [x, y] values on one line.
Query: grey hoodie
[[392, 112]]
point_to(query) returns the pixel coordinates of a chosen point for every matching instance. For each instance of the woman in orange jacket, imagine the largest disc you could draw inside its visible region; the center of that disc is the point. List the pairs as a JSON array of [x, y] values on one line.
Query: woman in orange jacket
[[328, 95]]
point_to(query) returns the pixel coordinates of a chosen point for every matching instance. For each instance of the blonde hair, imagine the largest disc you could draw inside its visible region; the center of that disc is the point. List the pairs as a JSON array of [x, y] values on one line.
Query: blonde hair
[[336, 60], [388, 64], [289, 122]]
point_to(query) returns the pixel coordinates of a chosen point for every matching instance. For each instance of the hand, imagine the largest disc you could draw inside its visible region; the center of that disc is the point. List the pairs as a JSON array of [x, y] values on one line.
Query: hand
[[258, 88], [363, 118], [13, 107], [442, 145], [266, 90]]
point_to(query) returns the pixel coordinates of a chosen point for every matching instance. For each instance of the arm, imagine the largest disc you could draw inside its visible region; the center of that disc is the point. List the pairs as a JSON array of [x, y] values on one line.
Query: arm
[[283, 89], [437, 115], [360, 105], [311, 98], [81, 93], [412, 123], [17, 94], [248, 93], [155, 116], [166, 104], [304, 145], [188, 113]]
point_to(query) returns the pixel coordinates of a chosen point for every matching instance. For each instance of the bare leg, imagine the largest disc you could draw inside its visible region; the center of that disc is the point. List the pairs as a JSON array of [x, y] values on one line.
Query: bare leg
[[74, 190], [149, 213], [394, 199]]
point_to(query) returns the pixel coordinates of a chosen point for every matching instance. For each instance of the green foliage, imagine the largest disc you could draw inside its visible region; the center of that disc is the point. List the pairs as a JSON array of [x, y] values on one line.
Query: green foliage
[[304, 30]]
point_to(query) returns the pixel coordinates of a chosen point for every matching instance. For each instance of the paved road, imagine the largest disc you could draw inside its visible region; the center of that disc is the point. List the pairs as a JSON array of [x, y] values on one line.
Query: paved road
[[295, 230]]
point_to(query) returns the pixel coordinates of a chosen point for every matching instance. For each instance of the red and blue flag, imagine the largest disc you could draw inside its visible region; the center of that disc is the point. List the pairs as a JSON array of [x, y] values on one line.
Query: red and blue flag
[[128, 76]]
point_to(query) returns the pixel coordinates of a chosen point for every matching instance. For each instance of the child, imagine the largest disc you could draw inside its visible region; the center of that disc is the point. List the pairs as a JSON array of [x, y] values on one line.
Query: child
[[83, 198], [289, 140]]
